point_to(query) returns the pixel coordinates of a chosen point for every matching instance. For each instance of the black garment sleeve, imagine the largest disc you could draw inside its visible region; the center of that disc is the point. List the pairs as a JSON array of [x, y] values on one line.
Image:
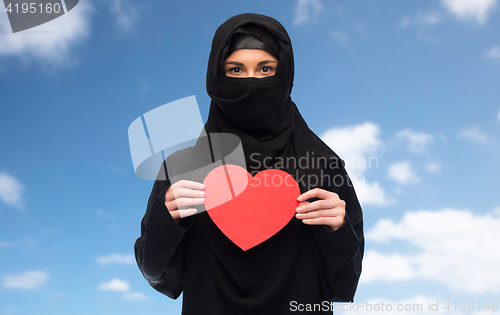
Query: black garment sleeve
[[159, 250], [342, 250]]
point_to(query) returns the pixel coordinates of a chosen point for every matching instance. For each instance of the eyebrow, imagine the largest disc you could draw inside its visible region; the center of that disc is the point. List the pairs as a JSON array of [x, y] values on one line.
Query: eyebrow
[[263, 62]]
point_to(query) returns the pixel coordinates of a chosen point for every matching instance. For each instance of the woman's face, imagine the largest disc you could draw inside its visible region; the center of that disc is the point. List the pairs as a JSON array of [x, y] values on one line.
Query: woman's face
[[245, 63]]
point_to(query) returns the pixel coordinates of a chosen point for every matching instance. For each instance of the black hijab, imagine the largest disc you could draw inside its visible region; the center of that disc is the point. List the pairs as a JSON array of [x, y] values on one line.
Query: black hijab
[[260, 111]]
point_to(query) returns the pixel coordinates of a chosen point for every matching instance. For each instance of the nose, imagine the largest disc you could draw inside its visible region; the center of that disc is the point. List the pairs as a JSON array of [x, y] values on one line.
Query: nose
[[251, 74]]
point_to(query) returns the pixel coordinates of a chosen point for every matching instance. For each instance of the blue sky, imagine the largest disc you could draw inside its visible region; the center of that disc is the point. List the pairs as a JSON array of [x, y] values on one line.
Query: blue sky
[[406, 85]]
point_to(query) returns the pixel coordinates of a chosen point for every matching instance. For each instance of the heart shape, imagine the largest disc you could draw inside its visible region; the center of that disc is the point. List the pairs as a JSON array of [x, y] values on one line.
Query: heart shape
[[250, 210]]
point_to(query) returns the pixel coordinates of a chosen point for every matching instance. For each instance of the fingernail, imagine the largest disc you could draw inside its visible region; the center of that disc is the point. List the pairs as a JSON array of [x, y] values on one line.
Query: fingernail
[[299, 198], [202, 186], [201, 193], [193, 211], [299, 209], [201, 199]]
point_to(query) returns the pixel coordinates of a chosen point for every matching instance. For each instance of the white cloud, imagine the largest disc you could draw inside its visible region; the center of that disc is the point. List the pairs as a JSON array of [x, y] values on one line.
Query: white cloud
[[51, 42], [370, 194], [497, 211], [360, 27], [26, 242], [391, 267], [11, 190], [417, 141], [422, 20], [402, 173], [29, 280], [115, 168], [354, 144], [115, 285], [4, 244], [473, 133], [118, 285], [358, 145], [477, 10], [104, 214], [306, 10], [433, 167], [116, 259], [137, 296], [340, 37], [445, 238], [493, 53], [126, 14]]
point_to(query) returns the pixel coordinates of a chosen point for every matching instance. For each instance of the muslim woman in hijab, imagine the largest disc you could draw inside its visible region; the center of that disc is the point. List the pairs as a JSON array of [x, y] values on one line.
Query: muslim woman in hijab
[[315, 259]]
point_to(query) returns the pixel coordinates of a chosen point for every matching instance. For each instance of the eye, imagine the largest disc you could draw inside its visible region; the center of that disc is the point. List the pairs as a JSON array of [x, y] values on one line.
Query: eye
[[235, 70], [267, 70]]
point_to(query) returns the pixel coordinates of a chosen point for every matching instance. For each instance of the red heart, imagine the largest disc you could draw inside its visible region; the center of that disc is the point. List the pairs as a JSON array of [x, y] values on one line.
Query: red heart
[[250, 210]]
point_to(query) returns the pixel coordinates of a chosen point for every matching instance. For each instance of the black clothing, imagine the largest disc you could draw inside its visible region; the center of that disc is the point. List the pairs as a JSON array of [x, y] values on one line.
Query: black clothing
[[248, 41], [300, 263]]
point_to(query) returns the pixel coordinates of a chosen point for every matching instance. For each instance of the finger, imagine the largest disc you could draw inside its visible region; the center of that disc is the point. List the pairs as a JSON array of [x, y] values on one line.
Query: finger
[[333, 223], [187, 212], [335, 212], [184, 183], [320, 204], [183, 203], [316, 192], [183, 192], [303, 203], [179, 214], [172, 193]]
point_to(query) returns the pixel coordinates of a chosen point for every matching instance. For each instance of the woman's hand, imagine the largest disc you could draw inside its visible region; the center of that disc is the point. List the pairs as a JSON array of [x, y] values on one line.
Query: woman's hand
[[329, 211], [181, 195]]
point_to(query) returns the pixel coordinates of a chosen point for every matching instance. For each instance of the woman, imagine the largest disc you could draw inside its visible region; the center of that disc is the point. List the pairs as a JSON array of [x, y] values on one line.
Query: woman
[[316, 257]]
